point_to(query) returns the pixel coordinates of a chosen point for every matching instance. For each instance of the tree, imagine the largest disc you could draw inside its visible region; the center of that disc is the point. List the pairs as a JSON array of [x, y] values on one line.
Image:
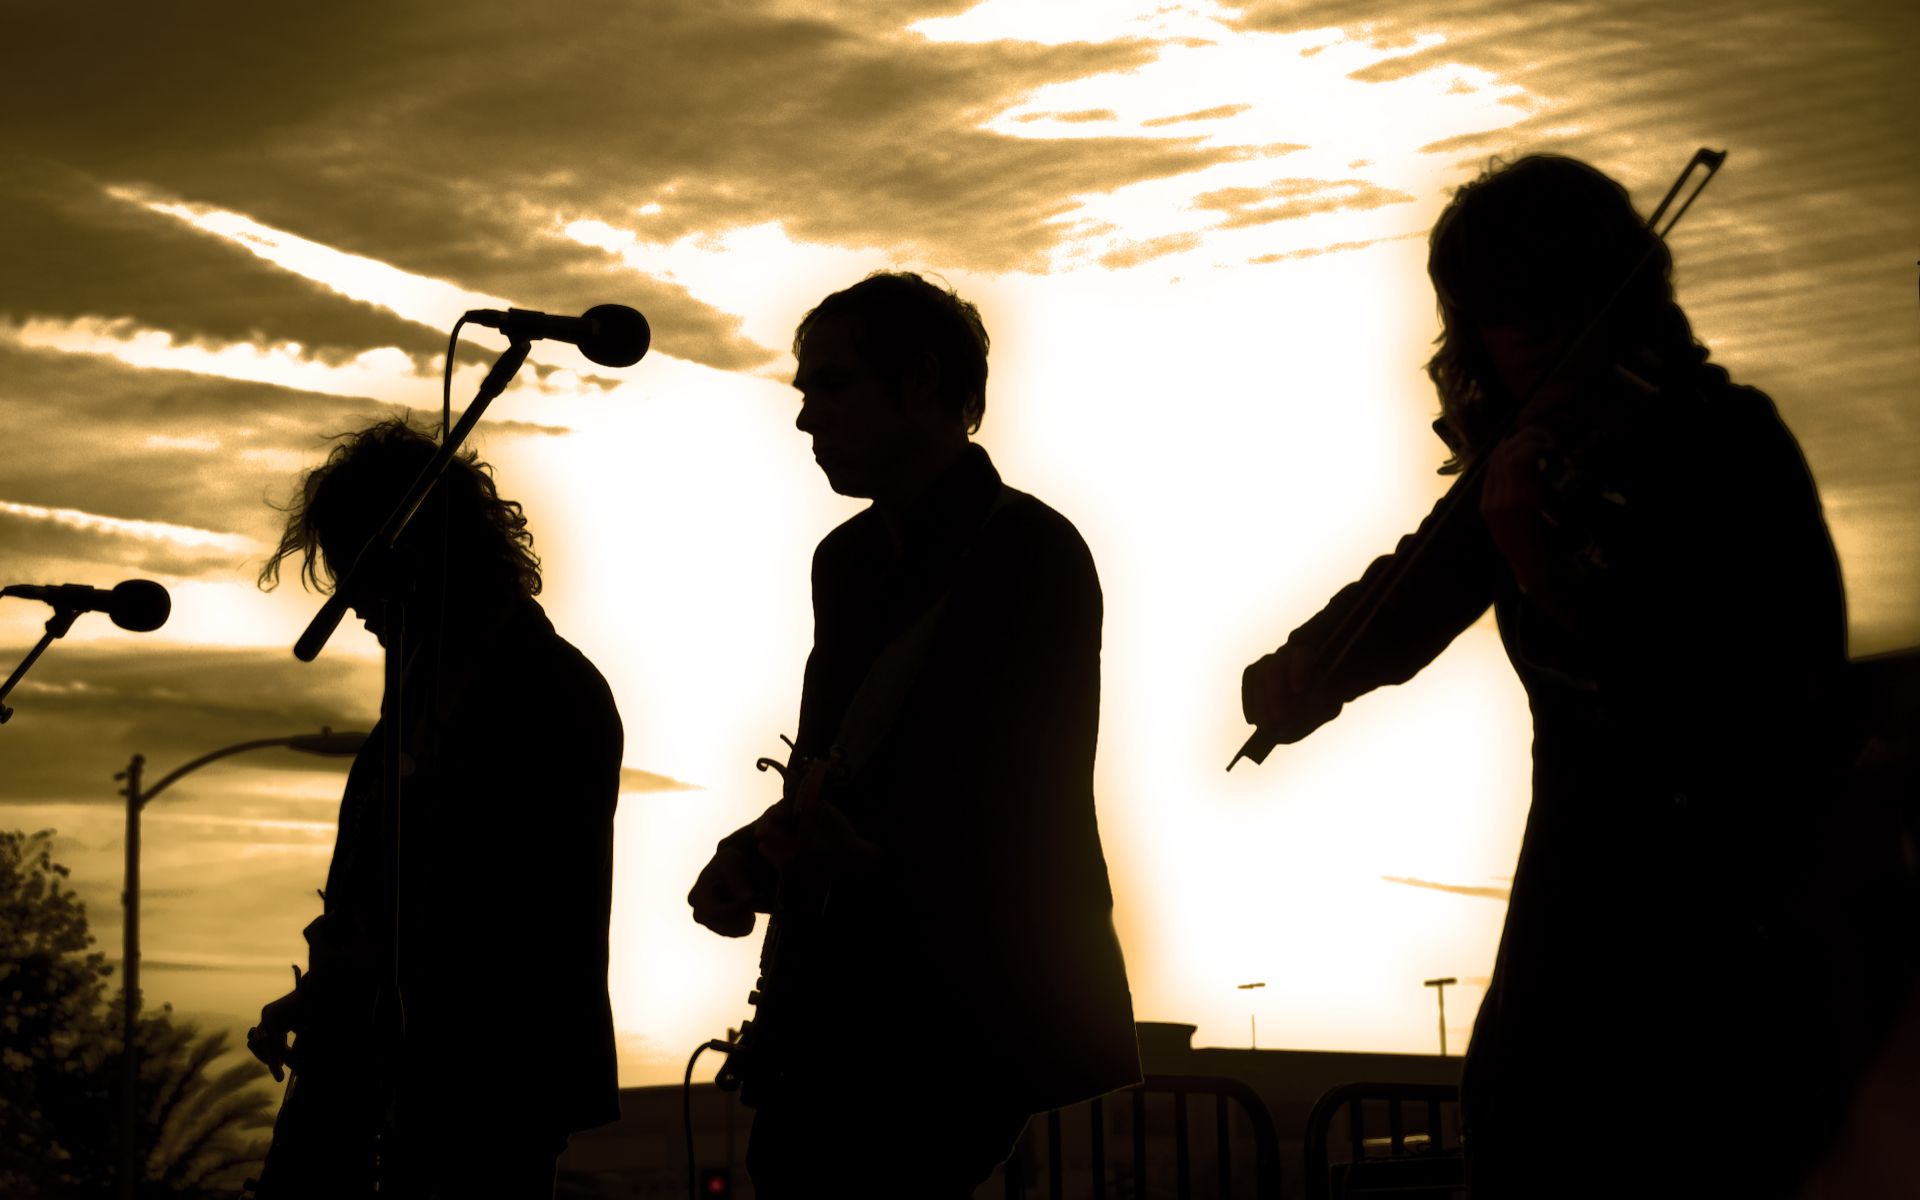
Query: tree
[[200, 1125], [53, 1034], [60, 1047]]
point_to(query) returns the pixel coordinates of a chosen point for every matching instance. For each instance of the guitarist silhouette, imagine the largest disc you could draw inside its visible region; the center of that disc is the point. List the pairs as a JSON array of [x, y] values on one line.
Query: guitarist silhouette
[[942, 962]]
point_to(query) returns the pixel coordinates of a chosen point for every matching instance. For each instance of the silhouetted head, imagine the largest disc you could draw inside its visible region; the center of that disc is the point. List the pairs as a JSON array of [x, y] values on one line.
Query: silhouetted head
[[1521, 260], [892, 374], [342, 502]]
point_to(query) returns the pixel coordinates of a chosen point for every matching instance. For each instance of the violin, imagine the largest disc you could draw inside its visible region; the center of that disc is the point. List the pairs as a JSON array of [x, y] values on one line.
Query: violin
[[1590, 461]]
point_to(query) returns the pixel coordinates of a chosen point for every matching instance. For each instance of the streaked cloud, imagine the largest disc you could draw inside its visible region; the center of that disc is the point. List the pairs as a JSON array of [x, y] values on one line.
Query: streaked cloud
[[372, 149], [1291, 199], [76, 252], [1332, 248], [633, 779], [1131, 252], [1485, 892], [184, 536], [1082, 117], [430, 302], [1218, 112], [28, 531], [1276, 95], [185, 448], [384, 373], [177, 448], [1069, 21]]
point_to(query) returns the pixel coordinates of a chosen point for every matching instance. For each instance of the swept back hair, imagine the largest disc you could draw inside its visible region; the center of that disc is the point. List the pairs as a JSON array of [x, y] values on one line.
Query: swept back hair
[[897, 318], [1543, 240], [367, 472]]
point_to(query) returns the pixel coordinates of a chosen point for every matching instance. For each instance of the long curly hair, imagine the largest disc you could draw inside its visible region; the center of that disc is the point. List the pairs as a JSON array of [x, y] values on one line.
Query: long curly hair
[[1542, 241], [367, 472]]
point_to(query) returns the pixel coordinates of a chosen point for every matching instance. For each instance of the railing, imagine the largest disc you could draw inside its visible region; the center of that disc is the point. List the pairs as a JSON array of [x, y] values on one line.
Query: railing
[[1142, 1181], [1404, 1163]]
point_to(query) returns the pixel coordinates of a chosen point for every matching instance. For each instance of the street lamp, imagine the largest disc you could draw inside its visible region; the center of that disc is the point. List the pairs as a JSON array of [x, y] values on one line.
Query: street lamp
[[1253, 1026], [1439, 987], [326, 742]]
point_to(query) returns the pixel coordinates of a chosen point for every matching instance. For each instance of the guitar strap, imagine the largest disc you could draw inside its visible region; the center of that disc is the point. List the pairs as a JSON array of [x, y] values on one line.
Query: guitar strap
[[876, 704]]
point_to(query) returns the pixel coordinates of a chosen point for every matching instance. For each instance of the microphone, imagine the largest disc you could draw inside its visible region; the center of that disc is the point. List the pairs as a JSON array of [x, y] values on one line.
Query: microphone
[[140, 605], [612, 335]]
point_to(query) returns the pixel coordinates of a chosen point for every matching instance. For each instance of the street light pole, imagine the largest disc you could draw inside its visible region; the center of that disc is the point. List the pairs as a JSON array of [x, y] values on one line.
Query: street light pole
[[326, 742], [1439, 987], [130, 979], [1253, 1026]]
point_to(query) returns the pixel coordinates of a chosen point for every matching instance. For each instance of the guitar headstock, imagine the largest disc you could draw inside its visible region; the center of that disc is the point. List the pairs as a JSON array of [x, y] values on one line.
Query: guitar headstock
[[804, 777]]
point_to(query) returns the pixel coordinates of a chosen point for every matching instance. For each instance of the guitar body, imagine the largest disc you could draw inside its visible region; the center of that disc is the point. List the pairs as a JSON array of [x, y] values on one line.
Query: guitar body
[[329, 1137]]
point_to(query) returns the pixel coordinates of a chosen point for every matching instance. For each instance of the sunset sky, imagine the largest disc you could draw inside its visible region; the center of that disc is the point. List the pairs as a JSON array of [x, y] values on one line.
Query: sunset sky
[[1196, 233]]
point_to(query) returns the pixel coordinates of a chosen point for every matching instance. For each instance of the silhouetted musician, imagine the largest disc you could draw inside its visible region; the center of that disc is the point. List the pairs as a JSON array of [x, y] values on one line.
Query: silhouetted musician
[[944, 962], [1650, 540], [455, 1008]]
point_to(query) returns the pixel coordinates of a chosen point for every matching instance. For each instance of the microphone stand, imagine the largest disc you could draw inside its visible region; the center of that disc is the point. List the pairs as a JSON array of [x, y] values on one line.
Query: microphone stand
[[328, 618], [394, 631], [57, 626]]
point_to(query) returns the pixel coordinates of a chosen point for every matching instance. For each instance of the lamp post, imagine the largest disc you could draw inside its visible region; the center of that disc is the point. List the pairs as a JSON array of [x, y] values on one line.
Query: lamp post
[[1253, 1026], [326, 742], [1439, 987]]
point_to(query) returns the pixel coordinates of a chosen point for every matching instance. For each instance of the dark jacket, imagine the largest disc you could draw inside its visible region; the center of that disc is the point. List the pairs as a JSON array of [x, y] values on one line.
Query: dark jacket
[[987, 945], [512, 765]]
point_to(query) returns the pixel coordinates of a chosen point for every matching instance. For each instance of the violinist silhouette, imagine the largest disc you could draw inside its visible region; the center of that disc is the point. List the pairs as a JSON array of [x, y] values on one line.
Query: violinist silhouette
[[1652, 545]]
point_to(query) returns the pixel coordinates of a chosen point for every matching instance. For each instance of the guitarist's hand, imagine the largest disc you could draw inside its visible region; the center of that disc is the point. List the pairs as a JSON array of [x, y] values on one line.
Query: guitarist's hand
[[267, 1041], [813, 838], [723, 897]]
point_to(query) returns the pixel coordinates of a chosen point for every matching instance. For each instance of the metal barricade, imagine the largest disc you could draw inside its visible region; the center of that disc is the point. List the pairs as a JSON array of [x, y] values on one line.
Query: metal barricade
[[1102, 1178], [1420, 1162]]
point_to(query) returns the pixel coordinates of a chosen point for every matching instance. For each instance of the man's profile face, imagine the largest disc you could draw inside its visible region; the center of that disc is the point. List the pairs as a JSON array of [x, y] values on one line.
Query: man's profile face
[[862, 424]]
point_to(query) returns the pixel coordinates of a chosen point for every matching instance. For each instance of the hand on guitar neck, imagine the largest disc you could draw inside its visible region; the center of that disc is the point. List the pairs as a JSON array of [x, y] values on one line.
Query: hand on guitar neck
[[805, 836], [802, 835], [267, 1041]]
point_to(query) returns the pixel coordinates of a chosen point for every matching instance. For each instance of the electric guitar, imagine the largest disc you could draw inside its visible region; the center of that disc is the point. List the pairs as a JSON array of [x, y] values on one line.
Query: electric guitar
[[330, 1135], [757, 1055]]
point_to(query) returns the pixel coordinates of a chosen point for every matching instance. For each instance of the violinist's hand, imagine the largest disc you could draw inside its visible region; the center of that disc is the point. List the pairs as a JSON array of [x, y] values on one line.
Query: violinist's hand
[[1281, 693], [280, 1018], [815, 839], [1512, 500], [724, 898]]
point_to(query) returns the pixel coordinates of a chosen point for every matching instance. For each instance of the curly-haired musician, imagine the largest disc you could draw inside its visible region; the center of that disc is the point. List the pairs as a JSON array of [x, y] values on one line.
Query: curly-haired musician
[[454, 1021]]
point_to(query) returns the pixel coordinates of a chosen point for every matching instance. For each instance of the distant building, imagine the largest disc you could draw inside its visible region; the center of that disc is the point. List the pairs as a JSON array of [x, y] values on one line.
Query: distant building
[[643, 1155]]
